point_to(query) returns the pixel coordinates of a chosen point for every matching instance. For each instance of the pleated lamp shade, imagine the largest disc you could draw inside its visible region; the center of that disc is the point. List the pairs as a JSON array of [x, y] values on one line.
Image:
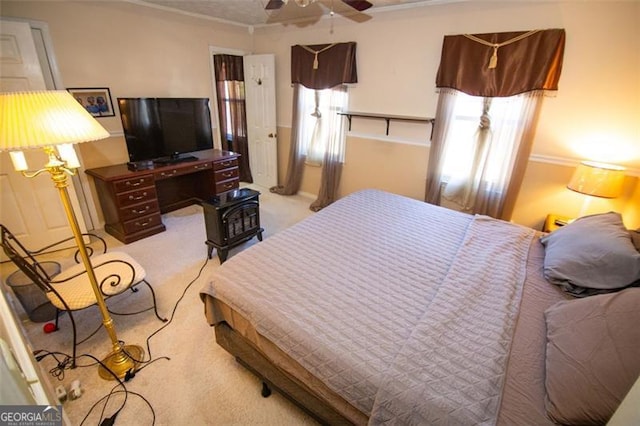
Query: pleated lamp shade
[[597, 179], [43, 118]]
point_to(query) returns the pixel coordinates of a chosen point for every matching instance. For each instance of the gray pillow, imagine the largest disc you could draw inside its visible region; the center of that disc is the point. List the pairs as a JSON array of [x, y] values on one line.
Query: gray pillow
[[593, 252], [593, 356]]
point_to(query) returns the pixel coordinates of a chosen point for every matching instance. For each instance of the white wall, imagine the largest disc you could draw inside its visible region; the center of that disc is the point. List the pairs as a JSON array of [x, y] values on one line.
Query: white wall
[[595, 114], [132, 50], [140, 51]]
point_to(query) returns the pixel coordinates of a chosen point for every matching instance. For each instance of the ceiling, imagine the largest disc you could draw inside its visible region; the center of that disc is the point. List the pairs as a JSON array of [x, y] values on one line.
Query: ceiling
[[253, 13]]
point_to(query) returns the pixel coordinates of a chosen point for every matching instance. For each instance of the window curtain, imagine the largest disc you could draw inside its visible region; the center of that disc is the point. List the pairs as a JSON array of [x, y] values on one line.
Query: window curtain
[[491, 66], [318, 67], [232, 110], [332, 130]]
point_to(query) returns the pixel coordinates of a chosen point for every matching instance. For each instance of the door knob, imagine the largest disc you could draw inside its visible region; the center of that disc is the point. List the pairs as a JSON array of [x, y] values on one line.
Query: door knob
[[272, 135]]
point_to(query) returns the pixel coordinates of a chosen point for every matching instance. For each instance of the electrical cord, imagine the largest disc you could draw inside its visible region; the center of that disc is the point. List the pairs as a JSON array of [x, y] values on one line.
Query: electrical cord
[[108, 421], [66, 364], [131, 374], [111, 420], [175, 308], [62, 365], [124, 314]]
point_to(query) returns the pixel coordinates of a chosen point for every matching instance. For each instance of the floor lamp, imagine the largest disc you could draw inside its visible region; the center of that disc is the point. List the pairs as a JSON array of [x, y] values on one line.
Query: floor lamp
[[597, 180], [54, 121]]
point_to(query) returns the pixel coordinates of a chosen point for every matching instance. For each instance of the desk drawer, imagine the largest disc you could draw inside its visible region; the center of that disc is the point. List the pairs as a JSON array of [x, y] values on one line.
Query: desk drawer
[[133, 183], [203, 166], [135, 197], [227, 185], [182, 170], [225, 164], [226, 174], [142, 223], [138, 210]]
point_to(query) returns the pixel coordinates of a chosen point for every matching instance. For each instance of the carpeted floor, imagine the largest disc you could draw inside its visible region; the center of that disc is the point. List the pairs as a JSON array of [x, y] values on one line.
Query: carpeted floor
[[200, 383]]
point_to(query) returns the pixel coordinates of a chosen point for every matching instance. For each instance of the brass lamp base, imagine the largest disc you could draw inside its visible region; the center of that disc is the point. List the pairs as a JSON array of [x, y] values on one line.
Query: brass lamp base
[[119, 362]]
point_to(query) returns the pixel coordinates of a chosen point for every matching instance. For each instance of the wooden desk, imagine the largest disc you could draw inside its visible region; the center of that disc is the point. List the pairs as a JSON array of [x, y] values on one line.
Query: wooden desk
[[132, 201]]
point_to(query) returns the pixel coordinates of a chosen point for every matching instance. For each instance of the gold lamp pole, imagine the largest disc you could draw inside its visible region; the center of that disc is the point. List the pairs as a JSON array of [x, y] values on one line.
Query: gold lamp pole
[[46, 119]]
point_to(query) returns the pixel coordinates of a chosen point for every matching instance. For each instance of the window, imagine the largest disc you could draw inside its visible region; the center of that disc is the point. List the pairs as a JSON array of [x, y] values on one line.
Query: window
[[481, 145], [319, 122], [505, 121], [231, 98]]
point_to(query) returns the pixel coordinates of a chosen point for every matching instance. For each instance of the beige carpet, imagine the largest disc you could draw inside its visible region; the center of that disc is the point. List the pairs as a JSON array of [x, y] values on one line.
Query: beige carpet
[[201, 383]]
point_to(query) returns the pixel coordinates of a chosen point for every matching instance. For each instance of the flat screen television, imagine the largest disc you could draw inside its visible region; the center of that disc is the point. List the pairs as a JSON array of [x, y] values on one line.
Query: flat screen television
[[163, 129]]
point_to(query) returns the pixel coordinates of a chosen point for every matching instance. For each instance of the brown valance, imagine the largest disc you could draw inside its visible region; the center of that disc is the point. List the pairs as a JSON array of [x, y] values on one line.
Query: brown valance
[[228, 67], [502, 64], [322, 66]]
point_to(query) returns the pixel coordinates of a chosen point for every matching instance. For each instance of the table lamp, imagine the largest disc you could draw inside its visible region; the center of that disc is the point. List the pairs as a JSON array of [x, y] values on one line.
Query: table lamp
[[597, 180], [54, 121]]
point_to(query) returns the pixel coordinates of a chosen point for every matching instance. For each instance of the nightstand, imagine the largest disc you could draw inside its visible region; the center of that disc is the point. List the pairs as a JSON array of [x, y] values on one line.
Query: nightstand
[[555, 221]]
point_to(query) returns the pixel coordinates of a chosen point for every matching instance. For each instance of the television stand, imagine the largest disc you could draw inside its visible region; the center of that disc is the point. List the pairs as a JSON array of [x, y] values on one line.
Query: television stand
[[175, 160]]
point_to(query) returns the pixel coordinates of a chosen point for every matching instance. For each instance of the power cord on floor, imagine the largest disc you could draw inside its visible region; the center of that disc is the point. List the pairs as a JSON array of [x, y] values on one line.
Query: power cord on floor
[[111, 420], [66, 364], [145, 363], [184, 292], [61, 364]]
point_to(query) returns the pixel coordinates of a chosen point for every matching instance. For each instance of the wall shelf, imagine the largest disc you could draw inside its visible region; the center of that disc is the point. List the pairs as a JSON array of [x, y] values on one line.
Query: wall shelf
[[386, 117]]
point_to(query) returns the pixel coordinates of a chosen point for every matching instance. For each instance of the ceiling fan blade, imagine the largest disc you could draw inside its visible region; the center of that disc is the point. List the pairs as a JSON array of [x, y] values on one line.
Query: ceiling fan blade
[[274, 4], [359, 5]]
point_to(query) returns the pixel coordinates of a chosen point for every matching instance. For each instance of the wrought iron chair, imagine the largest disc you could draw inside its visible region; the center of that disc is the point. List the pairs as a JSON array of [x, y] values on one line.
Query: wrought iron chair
[[71, 290]]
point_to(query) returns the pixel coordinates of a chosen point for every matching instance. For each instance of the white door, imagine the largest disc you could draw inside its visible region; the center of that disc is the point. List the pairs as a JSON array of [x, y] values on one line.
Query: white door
[[30, 208], [260, 91]]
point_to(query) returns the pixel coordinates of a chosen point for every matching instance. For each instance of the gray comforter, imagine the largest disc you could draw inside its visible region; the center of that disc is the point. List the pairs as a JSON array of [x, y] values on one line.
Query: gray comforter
[[404, 309]]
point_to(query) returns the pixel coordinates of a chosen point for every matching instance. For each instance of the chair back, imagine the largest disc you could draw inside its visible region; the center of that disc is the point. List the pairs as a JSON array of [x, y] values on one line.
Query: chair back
[[24, 260]]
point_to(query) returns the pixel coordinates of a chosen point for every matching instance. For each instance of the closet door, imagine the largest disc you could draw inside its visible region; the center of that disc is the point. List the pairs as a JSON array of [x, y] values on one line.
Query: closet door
[[30, 208]]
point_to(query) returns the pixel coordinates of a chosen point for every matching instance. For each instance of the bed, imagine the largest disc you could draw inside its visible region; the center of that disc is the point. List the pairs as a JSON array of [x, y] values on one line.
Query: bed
[[381, 309]]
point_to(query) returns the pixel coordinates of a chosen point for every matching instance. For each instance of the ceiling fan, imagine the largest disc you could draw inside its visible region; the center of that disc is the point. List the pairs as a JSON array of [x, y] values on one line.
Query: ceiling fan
[[359, 5]]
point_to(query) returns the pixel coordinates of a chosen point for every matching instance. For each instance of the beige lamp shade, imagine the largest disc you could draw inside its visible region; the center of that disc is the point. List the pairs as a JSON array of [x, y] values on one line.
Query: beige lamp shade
[[44, 118], [597, 179]]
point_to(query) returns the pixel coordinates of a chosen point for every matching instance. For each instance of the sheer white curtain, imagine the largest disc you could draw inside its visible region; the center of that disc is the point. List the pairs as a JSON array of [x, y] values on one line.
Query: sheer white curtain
[[319, 75], [487, 113], [480, 150], [320, 126]]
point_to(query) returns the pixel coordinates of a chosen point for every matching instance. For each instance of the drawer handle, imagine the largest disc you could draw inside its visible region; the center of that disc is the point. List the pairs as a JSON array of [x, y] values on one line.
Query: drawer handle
[[128, 183], [140, 211], [229, 185], [225, 163], [203, 166], [227, 174], [131, 197], [143, 224], [173, 172]]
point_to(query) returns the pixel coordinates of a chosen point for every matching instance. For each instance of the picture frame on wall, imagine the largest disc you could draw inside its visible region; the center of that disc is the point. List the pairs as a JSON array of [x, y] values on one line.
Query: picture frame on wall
[[96, 100]]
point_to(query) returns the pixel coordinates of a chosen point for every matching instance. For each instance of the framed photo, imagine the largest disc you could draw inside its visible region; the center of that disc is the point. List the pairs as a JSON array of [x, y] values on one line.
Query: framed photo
[[96, 100]]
